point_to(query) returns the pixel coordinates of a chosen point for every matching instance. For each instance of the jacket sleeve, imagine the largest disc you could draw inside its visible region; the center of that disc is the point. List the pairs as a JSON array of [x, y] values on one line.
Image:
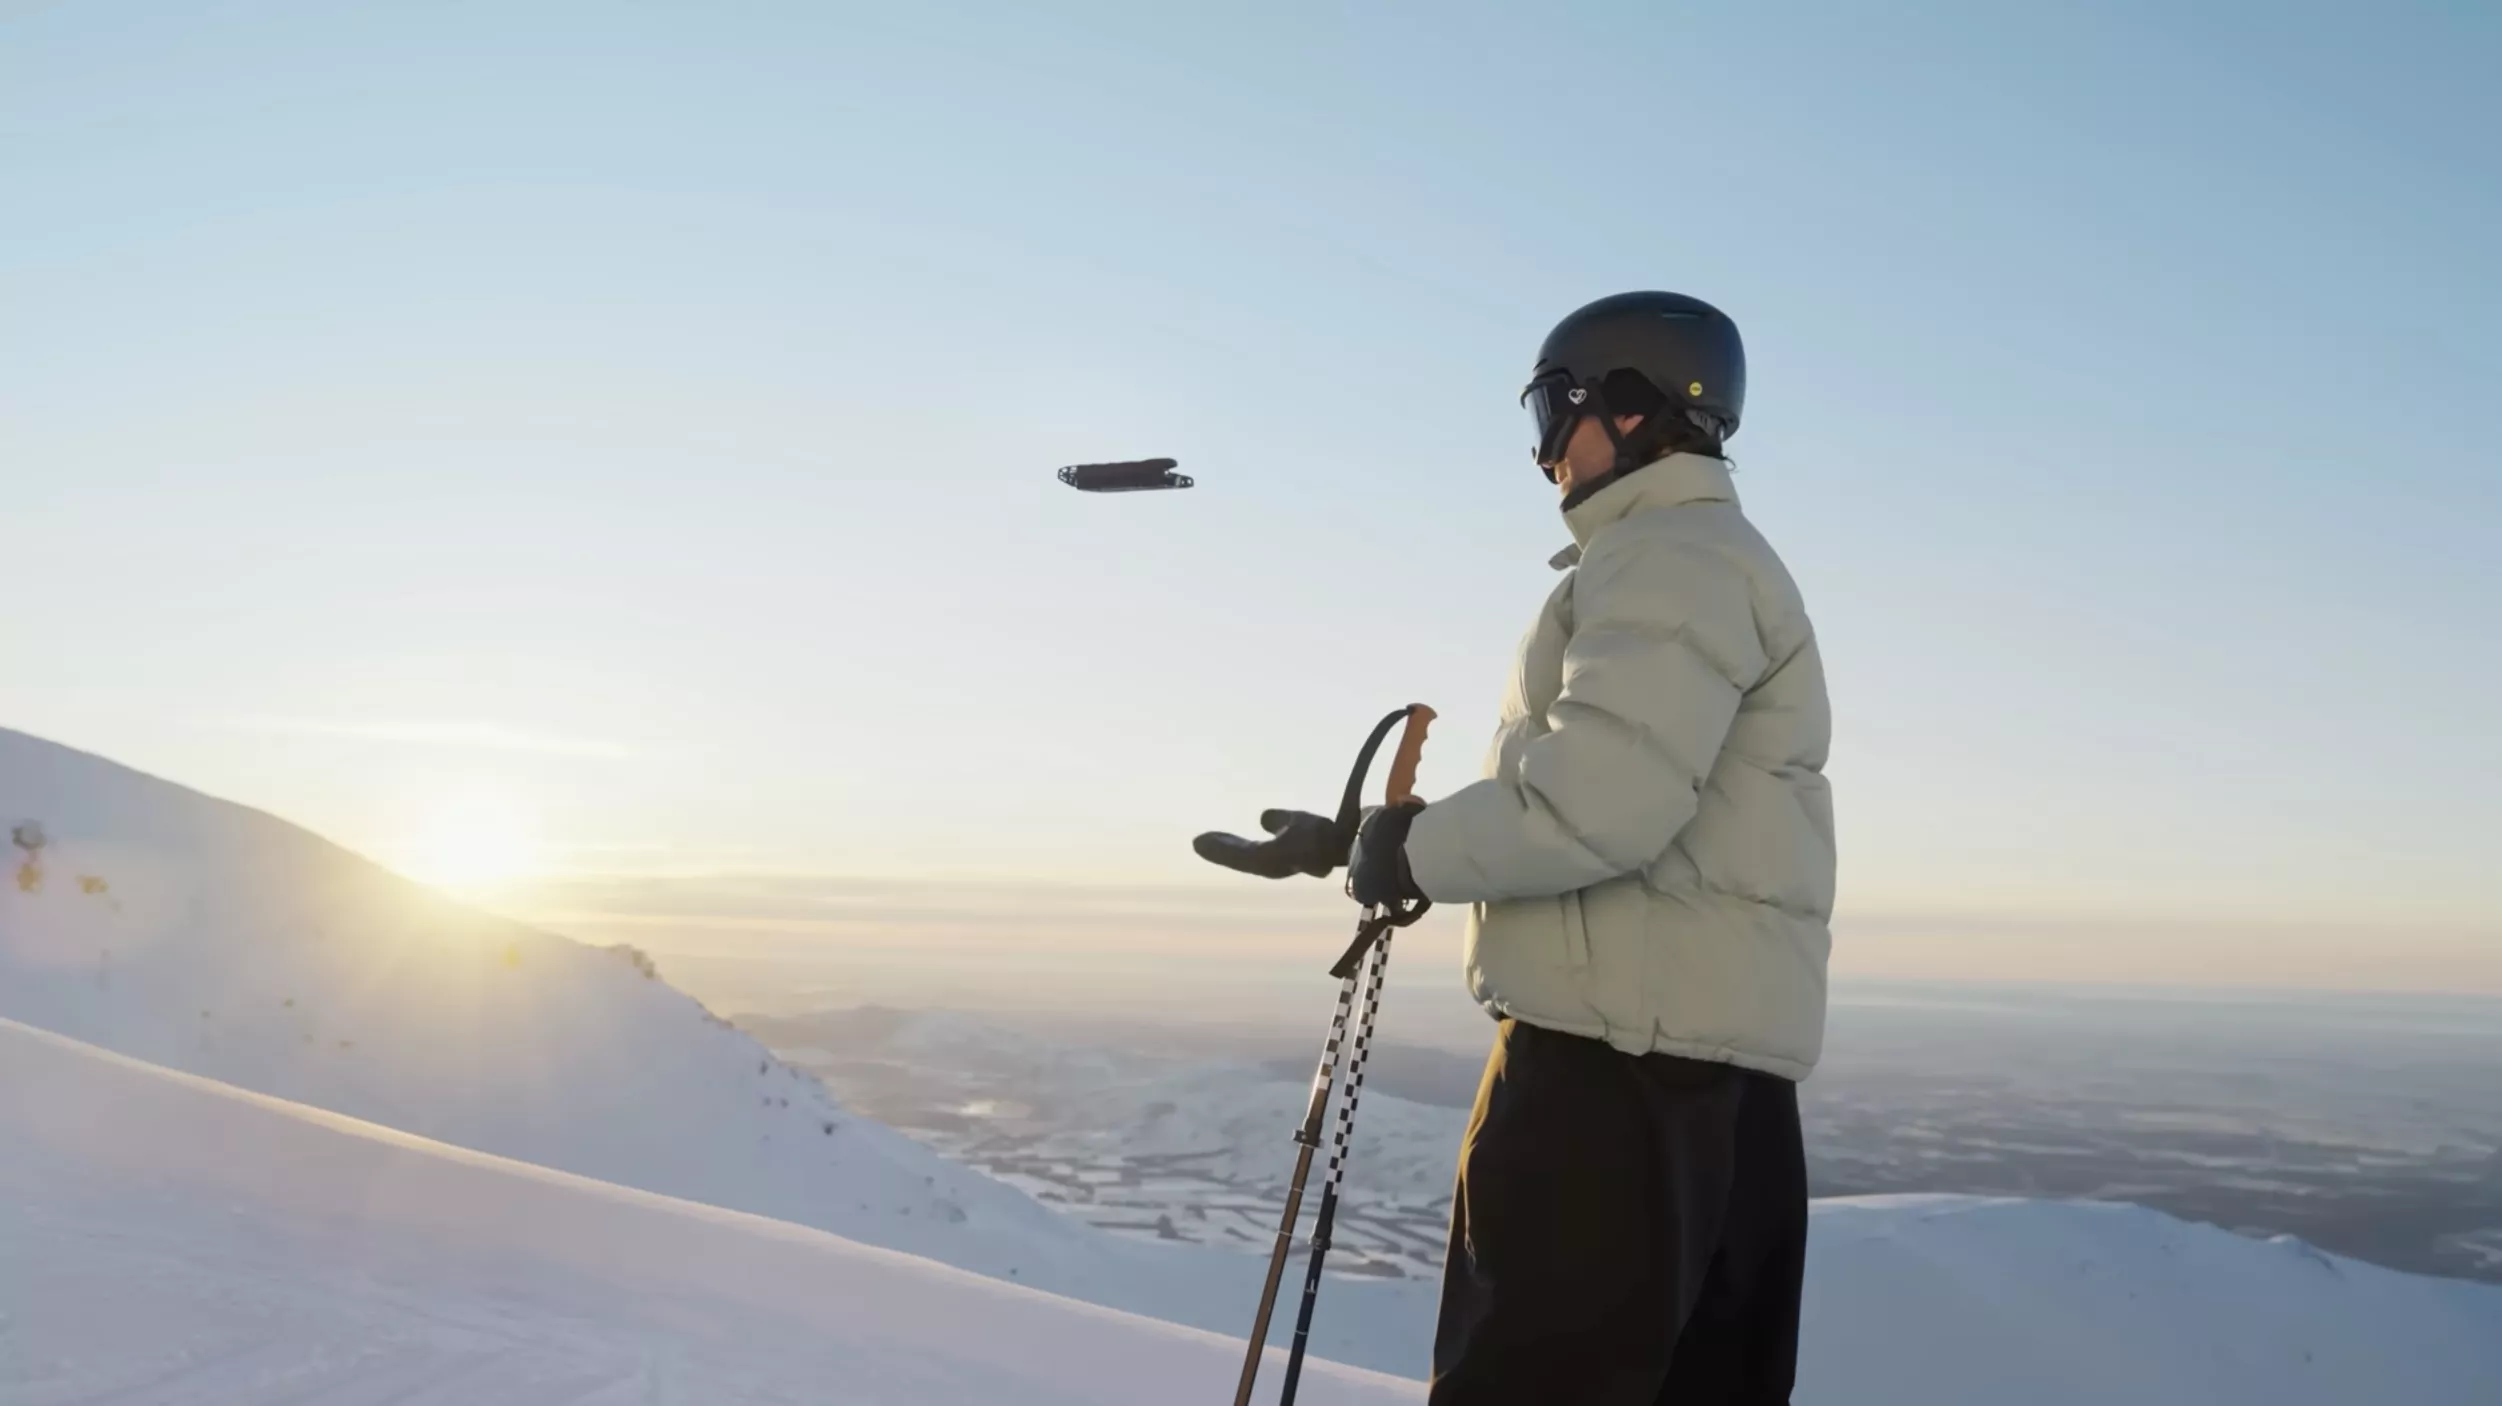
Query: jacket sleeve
[[1663, 646]]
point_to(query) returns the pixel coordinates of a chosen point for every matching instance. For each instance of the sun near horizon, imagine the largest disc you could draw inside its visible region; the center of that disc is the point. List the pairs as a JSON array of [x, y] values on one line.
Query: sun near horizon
[[469, 841]]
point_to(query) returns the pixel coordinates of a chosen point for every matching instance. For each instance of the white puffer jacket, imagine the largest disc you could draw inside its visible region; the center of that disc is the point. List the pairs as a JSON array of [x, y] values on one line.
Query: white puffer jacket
[[1650, 856]]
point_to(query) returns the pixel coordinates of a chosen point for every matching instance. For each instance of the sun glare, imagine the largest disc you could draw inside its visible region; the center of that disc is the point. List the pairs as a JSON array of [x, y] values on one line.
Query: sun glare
[[471, 841]]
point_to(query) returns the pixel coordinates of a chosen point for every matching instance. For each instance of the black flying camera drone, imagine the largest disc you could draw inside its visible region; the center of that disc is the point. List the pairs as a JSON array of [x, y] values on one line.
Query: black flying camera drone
[[1130, 476]]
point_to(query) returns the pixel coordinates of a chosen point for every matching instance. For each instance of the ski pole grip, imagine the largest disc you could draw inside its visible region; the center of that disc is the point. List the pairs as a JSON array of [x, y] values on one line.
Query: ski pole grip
[[1402, 785]]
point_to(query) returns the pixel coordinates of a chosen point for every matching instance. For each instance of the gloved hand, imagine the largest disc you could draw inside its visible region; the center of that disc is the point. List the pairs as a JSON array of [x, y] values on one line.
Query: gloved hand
[[1377, 873], [1300, 843]]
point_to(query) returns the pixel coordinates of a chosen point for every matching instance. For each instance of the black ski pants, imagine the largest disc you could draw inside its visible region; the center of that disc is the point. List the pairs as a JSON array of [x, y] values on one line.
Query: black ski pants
[[1627, 1230]]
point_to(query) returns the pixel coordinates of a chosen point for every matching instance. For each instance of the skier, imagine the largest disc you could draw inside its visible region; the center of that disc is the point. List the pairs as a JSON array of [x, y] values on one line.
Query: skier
[[1649, 864]]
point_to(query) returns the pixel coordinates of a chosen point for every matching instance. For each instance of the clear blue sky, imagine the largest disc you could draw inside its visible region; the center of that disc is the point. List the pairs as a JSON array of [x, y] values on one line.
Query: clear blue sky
[[630, 427]]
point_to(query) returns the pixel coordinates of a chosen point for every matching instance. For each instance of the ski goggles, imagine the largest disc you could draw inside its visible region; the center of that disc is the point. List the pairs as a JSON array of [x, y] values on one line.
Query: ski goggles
[[1555, 404]]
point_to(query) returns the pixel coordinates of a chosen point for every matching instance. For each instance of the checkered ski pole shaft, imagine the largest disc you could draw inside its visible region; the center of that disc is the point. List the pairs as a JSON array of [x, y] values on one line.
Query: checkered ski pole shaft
[[1376, 968], [1376, 965], [1325, 1078], [1307, 1140]]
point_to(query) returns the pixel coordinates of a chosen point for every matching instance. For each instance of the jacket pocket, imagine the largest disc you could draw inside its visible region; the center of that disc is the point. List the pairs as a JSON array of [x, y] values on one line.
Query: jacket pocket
[[1576, 933]]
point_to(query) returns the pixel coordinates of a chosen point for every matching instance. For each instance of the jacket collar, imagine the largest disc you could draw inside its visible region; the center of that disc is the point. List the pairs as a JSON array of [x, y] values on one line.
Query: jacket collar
[[1662, 483]]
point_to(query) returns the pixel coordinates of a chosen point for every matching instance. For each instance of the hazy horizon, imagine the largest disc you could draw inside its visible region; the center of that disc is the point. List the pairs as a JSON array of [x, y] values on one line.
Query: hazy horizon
[[1224, 948]]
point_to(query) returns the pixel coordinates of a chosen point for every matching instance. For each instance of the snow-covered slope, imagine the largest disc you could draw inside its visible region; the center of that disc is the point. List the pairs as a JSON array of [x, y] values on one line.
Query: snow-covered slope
[[206, 937], [169, 1240], [175, 1241]]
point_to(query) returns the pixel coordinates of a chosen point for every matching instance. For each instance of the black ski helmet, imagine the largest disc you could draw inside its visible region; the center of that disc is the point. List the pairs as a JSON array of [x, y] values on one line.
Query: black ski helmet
[[1639, 354]]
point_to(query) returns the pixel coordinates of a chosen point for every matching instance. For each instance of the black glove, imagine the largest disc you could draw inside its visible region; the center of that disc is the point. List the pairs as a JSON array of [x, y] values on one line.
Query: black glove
[[1300, 843], [1377, 874]]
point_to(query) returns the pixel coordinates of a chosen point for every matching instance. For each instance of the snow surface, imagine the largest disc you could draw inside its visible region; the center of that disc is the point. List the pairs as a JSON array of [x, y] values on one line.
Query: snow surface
[[228, 943], [171, 1240], [168, 1239]]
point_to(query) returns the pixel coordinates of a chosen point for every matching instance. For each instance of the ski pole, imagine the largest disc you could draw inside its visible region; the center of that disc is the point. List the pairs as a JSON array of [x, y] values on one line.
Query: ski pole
[[1371, 933], [1376, 966], [1307, 1137]]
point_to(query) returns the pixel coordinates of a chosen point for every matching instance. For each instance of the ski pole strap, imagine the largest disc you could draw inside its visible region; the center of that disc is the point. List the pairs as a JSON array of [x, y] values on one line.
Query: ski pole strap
[[1351, 801], [1402, 770], [1367, 933]]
